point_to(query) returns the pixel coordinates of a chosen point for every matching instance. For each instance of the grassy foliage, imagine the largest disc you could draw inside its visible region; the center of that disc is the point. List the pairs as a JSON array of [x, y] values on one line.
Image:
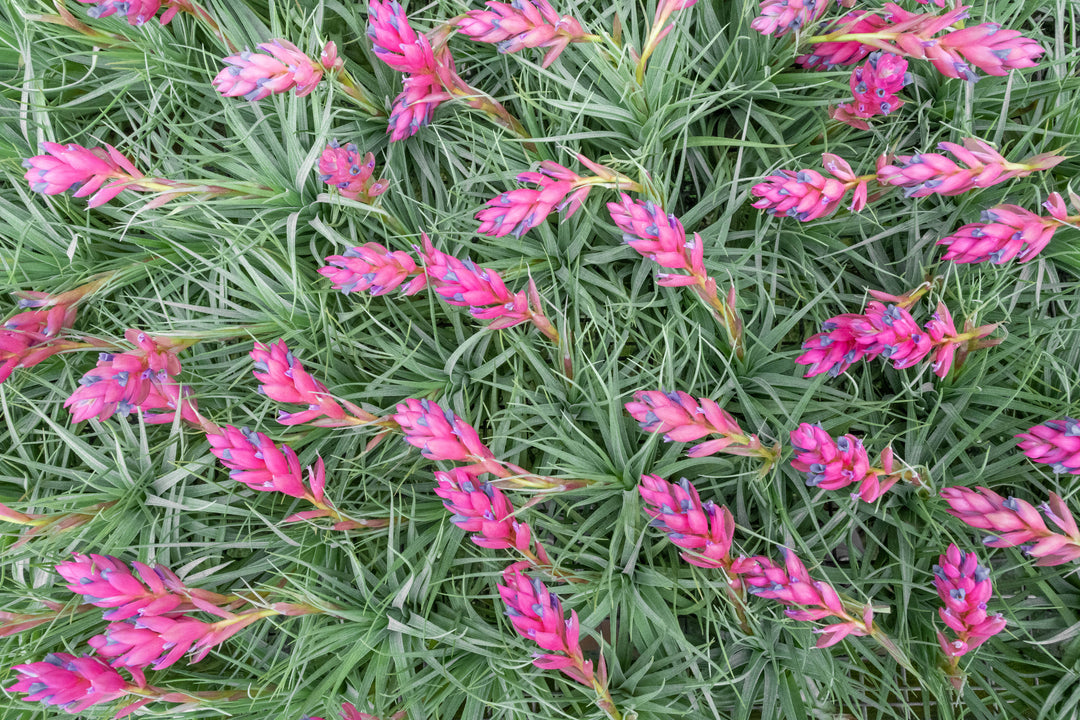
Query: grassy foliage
[[422, 629]]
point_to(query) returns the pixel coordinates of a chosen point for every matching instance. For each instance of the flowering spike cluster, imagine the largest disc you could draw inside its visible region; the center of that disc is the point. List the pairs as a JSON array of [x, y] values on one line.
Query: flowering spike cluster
[[482, 509], [704, 531], [463, 283], [442, 435], [537, 615], [106, 582], [284, 379], [831, 464], [372, 268], [70, 682], [874, 86], [31, 336], [683, 418], [807, 194], [932, 174], [136, 12], [415, 106], [810, 599], [515, 212], [101, 173], [143, 379], [403, 49], [257, 462], [148, 612], [779, 17], [659, 236], [281, 68], [394, 40], [831, 54], [1007, 232], [523, 24], [160, 641], [964, 586], [915, 35], [351, 174], [1017, 522], [1055, 443], [889, 331]]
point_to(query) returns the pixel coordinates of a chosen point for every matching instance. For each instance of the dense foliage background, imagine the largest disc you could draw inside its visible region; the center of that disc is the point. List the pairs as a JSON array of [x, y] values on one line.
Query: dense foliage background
[[721, 107]]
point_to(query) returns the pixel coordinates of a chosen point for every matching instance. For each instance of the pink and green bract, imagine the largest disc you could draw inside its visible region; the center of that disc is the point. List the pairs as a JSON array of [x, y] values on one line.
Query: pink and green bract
[[964, 587]]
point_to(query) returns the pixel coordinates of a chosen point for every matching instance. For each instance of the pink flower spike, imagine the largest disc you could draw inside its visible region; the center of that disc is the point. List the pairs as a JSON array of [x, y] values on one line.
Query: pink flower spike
[[154, 642], [931, 174], [106, 582], [442, 435], [515, 212], [415, 106], [284, 379], [260, 464], [828, 55], [1055, 443], [372, 268], [779, 17], [101, 173], [964, 586], [874, 86], [834, 349], [561, 189], [833, 464], [683, 418], [482, 290], [463, 283], [482, 509], [891, 332], [705, 531], [807, 194], [991, 49], [31, 336], [655, 234], [1016, 522], [1005, 232], [537, 615], [122, 382], [523, 24], [136, 12], [255, 76], [808, 600], [69, 682], [343, 168], [395, 42]]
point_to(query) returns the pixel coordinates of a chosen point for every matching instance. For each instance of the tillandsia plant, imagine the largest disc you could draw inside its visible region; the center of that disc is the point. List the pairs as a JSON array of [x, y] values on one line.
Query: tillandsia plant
[[964, 587], [834, 463], [537, 615], [985, 46], [808, 195], [1008, 232], [32, 335], [660, 237], [290, 466], [103, 173], [683, 418], [889, 331]]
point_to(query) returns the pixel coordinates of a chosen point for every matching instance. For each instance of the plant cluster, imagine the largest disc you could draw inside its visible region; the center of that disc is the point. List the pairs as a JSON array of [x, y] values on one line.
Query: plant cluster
[[306, 271]]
